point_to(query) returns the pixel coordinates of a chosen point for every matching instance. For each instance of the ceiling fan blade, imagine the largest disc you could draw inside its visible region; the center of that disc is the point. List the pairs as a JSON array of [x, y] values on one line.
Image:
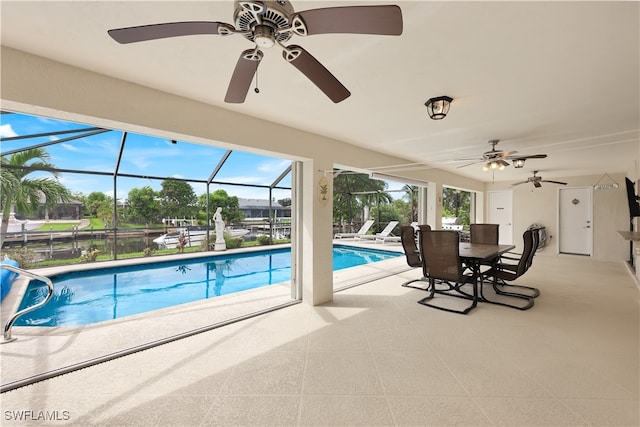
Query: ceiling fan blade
[[554, 182], [518, 183], [533, 156], [162, 31], [383, 20], [537, 184], [316, 72], [469, 164], [243, 75]]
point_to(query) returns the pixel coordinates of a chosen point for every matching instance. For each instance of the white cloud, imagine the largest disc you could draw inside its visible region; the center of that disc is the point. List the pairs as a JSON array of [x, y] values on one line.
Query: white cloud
[[274, 166], [69, 147], [6, 131]]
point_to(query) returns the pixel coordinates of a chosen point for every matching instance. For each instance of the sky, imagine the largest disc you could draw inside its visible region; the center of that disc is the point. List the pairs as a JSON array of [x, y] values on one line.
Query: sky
[[143, 155]]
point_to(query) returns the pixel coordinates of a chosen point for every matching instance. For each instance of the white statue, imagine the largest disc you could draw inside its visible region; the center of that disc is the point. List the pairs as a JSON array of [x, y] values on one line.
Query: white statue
[[219, 222]]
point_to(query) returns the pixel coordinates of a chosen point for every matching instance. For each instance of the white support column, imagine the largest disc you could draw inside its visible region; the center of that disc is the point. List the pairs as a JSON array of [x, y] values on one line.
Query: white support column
[[314, 237], [434, 205], [423, 205]]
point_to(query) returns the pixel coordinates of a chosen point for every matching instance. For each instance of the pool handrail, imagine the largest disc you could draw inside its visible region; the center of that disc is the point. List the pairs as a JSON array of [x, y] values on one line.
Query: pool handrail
[[11, 321]]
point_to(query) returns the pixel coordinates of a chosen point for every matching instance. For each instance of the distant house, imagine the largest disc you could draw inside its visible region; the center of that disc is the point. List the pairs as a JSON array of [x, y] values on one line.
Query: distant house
[[72, 209], [259, 208]]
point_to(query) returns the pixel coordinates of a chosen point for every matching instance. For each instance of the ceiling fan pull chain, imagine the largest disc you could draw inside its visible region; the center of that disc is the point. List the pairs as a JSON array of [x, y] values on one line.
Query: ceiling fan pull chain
[[256, 90]]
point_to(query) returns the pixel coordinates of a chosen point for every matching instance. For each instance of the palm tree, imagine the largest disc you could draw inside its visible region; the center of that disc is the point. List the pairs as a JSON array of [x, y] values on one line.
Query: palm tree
[[368, 193], [411, 194], [22, 193]]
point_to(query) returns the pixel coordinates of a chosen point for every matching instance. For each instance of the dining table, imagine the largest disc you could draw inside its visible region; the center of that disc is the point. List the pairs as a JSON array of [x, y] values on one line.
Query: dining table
[[473, 255]]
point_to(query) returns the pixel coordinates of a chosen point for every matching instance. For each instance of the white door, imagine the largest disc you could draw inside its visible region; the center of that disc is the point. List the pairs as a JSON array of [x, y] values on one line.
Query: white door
[[501, 212], [576, 227]]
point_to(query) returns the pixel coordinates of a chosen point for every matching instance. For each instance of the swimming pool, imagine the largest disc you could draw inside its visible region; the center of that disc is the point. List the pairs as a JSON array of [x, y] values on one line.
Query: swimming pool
[[87, 297]]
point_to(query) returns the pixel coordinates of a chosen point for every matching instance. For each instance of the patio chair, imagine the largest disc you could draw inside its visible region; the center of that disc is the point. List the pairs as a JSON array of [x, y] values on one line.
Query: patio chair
[[485, 234], [384, 233], [363, 230], [440, 250], [411, 252], [526, 257], [503, 272]]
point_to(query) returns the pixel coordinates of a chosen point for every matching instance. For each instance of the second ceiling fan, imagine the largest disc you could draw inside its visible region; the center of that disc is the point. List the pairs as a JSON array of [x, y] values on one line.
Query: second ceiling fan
[[497, 159], [270, 23], [537, 181]]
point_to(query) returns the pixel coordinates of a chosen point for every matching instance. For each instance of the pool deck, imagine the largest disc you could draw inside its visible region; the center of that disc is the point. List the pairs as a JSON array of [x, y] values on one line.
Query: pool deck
[[51, 351]]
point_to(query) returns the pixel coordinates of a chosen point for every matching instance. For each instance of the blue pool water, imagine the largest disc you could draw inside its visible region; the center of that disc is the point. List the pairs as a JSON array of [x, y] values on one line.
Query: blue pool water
[[86, 297]]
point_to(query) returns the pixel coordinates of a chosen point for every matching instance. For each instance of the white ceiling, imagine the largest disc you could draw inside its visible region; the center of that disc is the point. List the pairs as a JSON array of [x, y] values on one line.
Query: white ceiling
[[560, 78]]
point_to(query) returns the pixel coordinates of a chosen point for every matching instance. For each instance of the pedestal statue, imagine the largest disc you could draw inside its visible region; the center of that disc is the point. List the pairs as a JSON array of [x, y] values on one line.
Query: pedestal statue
[[220, 245]]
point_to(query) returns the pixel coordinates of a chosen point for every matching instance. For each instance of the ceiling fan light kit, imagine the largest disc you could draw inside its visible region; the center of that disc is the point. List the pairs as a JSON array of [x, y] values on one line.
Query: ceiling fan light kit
[[518, 163], [438, 107], [270, 23]]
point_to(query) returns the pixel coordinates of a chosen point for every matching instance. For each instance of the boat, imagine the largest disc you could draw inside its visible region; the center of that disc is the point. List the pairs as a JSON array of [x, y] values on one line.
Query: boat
[[194, 235]]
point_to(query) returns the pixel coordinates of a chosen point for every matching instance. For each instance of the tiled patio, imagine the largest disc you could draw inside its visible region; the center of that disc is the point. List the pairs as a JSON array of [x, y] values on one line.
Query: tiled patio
[[371, 357]]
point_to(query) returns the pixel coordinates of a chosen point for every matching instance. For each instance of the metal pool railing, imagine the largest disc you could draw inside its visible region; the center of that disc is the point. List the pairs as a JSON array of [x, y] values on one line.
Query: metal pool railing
[[11, 321]]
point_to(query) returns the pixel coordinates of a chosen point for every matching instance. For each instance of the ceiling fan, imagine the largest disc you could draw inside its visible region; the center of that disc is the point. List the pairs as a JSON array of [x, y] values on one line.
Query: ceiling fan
[[537, 181], [269, 23], [497, 159]]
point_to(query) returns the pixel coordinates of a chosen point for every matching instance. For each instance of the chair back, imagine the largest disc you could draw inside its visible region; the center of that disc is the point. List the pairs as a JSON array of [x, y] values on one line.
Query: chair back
[[408, 239], [366, 226], [388, 229], [527, 252], [485, 234], [535, 236], [440, 250]]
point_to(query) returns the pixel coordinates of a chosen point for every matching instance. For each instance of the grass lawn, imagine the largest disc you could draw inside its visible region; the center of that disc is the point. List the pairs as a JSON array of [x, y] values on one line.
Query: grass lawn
[[57, 226]]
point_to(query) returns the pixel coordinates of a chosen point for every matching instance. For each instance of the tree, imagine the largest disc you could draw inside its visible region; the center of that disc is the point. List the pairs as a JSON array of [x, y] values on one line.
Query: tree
[[94, 201], [22, 193], [178, 199], [456, 204], [354, 195], [284, 202], [230, 206], [411, 195], [144, 205]]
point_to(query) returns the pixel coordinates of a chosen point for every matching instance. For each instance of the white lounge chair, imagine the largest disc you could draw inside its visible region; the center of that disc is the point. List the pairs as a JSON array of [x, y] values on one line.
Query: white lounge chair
[[392, 238], [363, 230], [384, 233]]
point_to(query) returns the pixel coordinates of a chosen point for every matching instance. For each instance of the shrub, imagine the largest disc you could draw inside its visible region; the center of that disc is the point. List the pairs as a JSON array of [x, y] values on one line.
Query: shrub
[[182, 242], [233, 242], [148, 251], [90, 255], [23, 256], [264, 239]]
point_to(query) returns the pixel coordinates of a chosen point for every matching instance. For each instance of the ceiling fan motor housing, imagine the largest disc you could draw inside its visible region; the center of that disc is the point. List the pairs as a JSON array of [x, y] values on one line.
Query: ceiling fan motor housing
[[261, 21]]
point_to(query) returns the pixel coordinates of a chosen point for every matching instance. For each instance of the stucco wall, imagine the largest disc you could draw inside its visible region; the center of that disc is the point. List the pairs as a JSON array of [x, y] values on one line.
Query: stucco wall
[[540, 206]]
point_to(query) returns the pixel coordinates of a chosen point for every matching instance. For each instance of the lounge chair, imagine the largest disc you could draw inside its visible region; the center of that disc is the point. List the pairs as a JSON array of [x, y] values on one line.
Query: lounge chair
[[384, 233], [363, 230]]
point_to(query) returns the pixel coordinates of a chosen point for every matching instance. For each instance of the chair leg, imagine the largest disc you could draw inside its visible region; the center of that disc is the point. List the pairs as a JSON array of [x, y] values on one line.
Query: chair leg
[[425, 300], [529, 300], [531, 291], [422, 279]]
